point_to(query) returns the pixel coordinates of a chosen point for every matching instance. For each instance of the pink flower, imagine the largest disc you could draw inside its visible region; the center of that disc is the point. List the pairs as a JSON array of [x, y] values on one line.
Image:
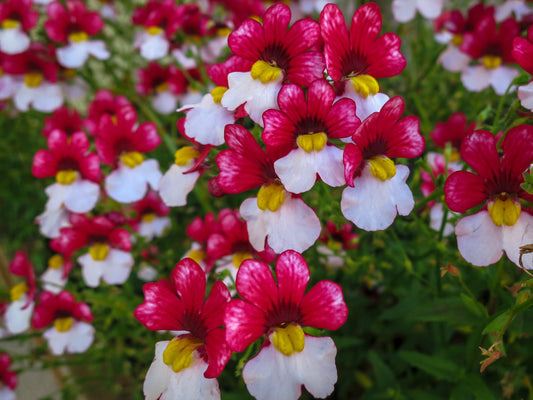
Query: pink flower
[[18, 313], [452, 131], [279, 311], [523, 53], [104, 102], [161, 14], [151, 216], [8, 378], [71, 23], [16, 20], [64, 119]]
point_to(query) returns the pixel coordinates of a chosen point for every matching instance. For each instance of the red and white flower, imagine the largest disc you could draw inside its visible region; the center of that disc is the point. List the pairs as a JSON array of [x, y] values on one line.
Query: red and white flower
[[104, 102], [16, 20], [300, 133], [56, 275], [377, 189], [503, 224], [334, 243], [356, 57], [151, 219], [276, 53], [73, 25], [405, 10], [71, 331], [523, 53], [279, 311], [275, 216], [186, 366], [64, 119], [8, 378], [18, 313], [121, 142]]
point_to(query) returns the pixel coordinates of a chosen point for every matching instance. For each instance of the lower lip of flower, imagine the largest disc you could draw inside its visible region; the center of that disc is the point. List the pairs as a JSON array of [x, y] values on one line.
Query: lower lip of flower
[[288, 339], [179, 352], [270, 197]]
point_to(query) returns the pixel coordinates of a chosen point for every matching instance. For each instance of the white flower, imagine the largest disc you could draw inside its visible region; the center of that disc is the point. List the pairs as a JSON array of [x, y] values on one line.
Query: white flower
[[18, 315], [476, 78], [364, 106], [154, 227], [516, 7], [114, 269], [373, 204], [271, 375], [165, 102], [79, 196], [453, 59], [53, 280], [77, 339], [7, 394], [126, 184], [147, 273]]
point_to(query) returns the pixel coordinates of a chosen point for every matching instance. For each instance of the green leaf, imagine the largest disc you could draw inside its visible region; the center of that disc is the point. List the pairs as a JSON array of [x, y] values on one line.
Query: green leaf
[[439, 367], [474, 306], [475, 385], [498, 323], [383, 374]]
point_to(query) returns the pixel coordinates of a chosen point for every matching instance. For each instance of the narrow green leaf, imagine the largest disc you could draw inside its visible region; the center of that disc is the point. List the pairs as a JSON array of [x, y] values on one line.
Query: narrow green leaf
[[498, 323], [474, 306], [439, 367], [383, 374]]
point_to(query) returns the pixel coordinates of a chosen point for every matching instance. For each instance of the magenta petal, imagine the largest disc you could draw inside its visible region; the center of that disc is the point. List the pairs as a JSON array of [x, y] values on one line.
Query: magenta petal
[[237, 172], [276, 22], [83, 311], [306, 67], [479, 151], [190, 281], [384, 57], [366, 25], [464, 190], [352, 159], [291, 101], [255, 284], [161, 309], [523, 53], [405, 139], [79, 144], [121, 237], [518, 150], [66, 301], [341, 119], [214, 306], [302, 35], [279, 134], [245, 324], [336, 41], [292, 274], [58, 142], [247, 40], [90, 167], [146, 137], [320, 97], [323, 306], [44, 164], [218, 352]]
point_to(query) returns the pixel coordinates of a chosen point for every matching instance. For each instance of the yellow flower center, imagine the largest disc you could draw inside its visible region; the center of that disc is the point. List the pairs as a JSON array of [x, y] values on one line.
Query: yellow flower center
[[491, 62], [382, 167], [78, 37], [455, 156], [238, 258], [99, 251], [162, 87], [18, 291], [504, 211], [457, 40], [312, 141], [148, 217], [132, 159], [179, 352], [288, 339], [154, 30], [265, 72], [69, 73], [10, 23], [33, 79], [183, 156], [223, 32], [63, 324], [217, 93], [197, 255], [56, 261], [270, 196], [66, 177], [365, 85]]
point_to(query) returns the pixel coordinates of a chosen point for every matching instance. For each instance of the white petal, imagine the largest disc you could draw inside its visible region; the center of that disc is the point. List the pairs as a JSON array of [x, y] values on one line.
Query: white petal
[[158, 375], [373, 204], [117, 267], [436, 214], [48, 97], [56, 193], [453, 59], [81, 336], [156, 227], [153, 46], [181, 56], [91, 270], [73, 55], [518, 7], [271, 375], [165, 102], [7, 394], [147, 273], [205, 121], [364, 106], [480, 242], [51, 221], [17, 319], [53, 280], [403, 10], [525, 94], [97, 48], [8, 86], [297, 170], [520, 234], [175, 185], [82, 196], [152, 173], [330, 166], [126, 184], [430, 9], [14, 41], [501, 78], [476, 78], [24, 97], [57, 341], [258, 96]]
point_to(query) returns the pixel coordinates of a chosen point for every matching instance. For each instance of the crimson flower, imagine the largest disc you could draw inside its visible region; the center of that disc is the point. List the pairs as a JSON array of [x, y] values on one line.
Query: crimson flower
[[7, 377], [15, 12], [453, 131], [22, 266], [74, 22], [36, 63], [162, 15], [156, 78], [64, 119], [523, 53], [52, 307], [104, 102]]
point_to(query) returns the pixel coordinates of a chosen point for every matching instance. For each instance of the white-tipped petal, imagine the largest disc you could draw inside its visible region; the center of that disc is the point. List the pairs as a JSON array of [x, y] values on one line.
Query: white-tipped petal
[[17, 318], [453, 59], [57, 341], [501, 78], [91, 270], [476, 78], [404, 10], [175, 185], [165, 102], [53, 280], [116, 267], [525, 94], [82, 196], [81, 337], [429, 9], [73, 55], [14, 41]]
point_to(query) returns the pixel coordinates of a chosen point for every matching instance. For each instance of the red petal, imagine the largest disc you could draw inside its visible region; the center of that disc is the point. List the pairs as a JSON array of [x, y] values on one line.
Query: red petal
[[384, 57], [245, 324], [523, 53], [161, 309], [214, 306], [464, 190], [79, 144], [121, 237], [255, 284], [190, 281], [323, 306], [90, 167], [518, 150], [292, 274], [320, 97], [146, 137], [479, 151], [248, 40], [352, 159], [405, 139], [302, 35], [341, 119], [83, 311], [44, 164], [365, 28], [336, 42], [218, 352], [276, 22]]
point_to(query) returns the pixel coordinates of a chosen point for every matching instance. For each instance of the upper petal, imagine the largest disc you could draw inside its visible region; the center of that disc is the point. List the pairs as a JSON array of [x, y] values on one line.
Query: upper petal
[[323, 306], [190, 281], [292, 273], [256, 285]]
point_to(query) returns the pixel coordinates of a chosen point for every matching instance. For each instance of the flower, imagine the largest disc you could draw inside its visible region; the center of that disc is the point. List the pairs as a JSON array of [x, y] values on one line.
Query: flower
[[280, 311], [64, 119], [334, 242], [16, 20], [151, 219], [452, 131], [71, 331], [300, 133], [120, 142], [56, 275], [405, 10], [355, 58], [186, 366], [9, 378], [104, 102], [276, 53], [523, 51], [18, 313], [377, 190], [73, 25], [502, 225]]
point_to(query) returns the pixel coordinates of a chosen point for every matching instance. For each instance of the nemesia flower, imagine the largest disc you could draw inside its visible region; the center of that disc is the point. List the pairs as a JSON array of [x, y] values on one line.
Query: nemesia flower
[[334, 242], [377, 188], [275, 215], [108, 9], [71, 331], [523, 51], [149, 258], [8, 378], [405, 10], [299, 135], [355, 58], [120, 142], [104, 102], [8, 83], [163, 84], [205, 121], [104, 260], [56, 275], [16, 19], [516, 8], [453, 131], [492, 47], [151, 218], [199, 230], [64, 119], [280, 311], [186, 366], [73, 25], [278, 53], [38, 69], [18, 313], [160, 22], [77, 172], [502, 225], [240, 10]]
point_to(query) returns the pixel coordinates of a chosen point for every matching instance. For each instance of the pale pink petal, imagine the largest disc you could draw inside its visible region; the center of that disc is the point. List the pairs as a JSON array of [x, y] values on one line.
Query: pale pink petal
[[404, 10], [520, 234], [501, 78], [525, 94], [175, 185], [117, 267], [476, 78]]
